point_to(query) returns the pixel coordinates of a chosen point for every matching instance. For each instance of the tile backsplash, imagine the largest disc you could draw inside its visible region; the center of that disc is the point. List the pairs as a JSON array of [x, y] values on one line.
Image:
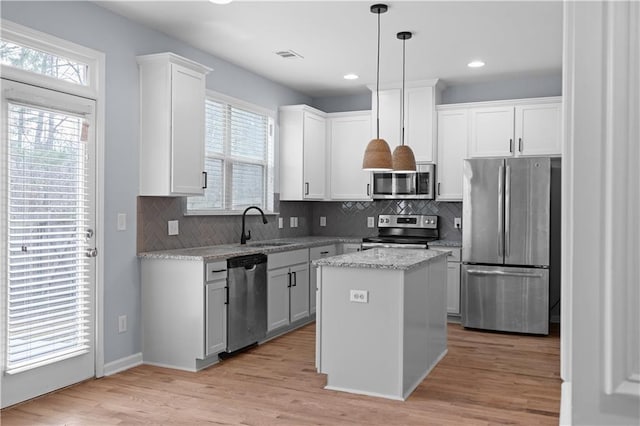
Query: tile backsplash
[[347, 219], [197, 231]]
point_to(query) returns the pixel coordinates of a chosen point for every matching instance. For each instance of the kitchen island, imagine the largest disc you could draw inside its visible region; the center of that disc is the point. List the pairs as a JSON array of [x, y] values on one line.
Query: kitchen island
[[381, 320]]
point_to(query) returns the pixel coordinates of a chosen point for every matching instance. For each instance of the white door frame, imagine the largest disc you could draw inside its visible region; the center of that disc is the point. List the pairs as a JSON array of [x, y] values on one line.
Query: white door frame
[[600, 338], [94, 90]]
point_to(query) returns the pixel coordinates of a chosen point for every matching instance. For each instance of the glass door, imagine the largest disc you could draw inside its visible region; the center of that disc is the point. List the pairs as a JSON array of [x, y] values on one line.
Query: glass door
[[48, 254]]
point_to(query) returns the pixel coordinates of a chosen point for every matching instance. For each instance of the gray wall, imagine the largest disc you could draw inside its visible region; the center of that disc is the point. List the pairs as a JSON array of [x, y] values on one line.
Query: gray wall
[[506, 88], [121, 40]]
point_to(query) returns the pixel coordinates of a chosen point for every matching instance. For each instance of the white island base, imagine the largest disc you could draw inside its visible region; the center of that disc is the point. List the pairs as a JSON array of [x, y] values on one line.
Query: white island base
[[386, 344]]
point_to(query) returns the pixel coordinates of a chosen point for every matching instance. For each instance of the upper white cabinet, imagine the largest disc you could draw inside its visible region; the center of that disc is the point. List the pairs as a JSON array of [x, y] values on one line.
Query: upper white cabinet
[[453, 135], [516, 128], [420, 116], [302, 153], [172, 95], [349, 134]]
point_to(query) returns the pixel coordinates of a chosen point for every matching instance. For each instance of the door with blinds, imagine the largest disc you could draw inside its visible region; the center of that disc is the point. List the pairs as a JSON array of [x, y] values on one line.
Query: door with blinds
[[48, 242]]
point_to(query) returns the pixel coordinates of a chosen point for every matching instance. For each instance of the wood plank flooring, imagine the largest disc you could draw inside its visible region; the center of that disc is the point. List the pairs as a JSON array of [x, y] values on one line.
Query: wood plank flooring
[[486, 378]]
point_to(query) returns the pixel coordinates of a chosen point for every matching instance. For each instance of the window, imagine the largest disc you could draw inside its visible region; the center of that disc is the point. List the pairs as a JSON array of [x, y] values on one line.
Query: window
[[239, 153]]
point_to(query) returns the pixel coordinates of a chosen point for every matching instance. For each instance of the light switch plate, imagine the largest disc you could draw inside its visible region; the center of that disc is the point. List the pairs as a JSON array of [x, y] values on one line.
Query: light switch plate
[[292, 222], [295, 219], [371, 222], [280, 223], [122, 221], [359, 296], [457, 222], [122, 324], [172, 226], [323, 221]]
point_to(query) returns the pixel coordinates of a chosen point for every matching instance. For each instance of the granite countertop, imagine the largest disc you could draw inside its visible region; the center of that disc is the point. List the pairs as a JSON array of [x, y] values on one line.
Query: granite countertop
[[383, 258], [226, 251], [446, 243]]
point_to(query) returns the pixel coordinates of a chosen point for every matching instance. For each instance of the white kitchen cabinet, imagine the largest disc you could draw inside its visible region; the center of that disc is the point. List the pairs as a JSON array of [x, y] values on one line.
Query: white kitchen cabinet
[[287, 288], [216, 317], [350, 248], [453, 288], [172, 96], [183, 312], [538, 129], [349, 134], [516, 128], [302, 153], [453, 135], [420, 116], [316, 253]]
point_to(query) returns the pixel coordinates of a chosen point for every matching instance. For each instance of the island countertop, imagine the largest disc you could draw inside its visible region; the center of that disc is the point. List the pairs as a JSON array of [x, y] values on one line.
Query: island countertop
[[382, 258]]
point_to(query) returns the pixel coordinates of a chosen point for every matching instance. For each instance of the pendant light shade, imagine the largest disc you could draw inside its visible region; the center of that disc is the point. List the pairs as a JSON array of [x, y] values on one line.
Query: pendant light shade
[[403, 160], [377, 156]]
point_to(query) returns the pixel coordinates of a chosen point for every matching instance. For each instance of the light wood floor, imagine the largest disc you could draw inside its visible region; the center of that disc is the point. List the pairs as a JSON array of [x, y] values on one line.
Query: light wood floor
[[486, 378]]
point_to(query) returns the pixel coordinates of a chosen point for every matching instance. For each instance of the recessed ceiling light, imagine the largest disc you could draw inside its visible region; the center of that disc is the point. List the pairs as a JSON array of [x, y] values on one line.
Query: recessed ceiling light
[[221, 1], [475, 64], [351, 77]]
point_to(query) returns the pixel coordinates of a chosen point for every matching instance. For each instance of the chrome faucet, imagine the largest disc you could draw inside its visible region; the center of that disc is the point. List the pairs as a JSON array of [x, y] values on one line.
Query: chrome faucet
[[243, 237]]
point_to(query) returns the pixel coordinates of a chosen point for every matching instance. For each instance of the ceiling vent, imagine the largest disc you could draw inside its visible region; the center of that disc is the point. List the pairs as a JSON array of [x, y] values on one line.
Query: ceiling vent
[[289, 54]]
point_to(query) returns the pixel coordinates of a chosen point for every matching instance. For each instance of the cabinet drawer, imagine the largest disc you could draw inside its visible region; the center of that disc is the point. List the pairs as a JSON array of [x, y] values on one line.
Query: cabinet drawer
[[287, 258], [323, 251], [454, 256], [215, 271]]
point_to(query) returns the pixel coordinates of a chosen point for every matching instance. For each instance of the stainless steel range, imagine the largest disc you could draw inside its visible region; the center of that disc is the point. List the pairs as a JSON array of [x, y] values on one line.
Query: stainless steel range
[[403, 231]]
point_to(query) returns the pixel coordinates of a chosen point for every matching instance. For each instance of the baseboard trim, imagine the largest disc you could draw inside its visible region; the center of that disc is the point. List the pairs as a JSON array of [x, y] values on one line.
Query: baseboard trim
[[565, 404], [122, 364]]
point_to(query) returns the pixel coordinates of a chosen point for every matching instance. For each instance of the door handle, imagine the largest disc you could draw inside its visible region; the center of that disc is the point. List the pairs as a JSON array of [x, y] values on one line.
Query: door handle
[[511, 145], [368, 189], [500, 211], [438, 188], [504, 274], [205, 180], [324, 252], [306, 188], [295, 279], [520, 144], [507, 212], [226, 302], [289, 283]]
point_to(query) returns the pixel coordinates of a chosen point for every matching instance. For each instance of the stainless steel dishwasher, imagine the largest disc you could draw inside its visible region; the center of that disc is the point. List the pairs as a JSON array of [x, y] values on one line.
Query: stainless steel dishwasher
[[247, 301]]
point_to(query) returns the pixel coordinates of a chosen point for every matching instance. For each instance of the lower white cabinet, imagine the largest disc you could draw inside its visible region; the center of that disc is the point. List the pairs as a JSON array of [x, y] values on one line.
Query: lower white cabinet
[[287, 288], [183, 312], [453, 288], [316, 253]]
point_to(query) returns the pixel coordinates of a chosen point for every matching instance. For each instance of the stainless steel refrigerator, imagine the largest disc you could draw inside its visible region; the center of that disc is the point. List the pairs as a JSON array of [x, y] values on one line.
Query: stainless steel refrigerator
[[505, 244]]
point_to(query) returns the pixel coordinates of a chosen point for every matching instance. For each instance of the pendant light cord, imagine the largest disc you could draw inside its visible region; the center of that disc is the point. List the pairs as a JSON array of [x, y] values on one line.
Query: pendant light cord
[[403, 78], [378, 83]]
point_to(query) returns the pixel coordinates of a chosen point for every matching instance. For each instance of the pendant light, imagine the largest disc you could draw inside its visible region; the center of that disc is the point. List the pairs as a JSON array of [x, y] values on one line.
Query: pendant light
[[403, 159], [377, 156]]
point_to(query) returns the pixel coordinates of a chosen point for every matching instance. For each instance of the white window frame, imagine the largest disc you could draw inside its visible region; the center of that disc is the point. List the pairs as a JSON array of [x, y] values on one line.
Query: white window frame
[[94, 89], [269, 168]]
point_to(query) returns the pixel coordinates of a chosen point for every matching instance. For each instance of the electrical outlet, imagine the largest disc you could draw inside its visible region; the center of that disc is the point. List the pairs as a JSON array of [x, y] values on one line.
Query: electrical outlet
[[122, 324], [122, 221], [457, 222], [280, 223], [323, 221], [371, 222], [359, 296], [172, 226]]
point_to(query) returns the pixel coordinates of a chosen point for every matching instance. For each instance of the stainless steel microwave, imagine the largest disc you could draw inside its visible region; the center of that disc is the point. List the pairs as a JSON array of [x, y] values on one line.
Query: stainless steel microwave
[[419, 185]]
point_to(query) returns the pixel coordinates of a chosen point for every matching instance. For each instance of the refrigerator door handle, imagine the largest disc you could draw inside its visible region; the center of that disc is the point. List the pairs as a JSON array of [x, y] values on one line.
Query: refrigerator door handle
[[501, 211], [507, 212], [504, 274]]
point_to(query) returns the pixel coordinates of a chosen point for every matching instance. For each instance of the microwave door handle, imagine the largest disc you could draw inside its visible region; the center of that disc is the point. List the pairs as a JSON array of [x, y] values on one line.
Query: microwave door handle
[[500, 211], [507, 211]]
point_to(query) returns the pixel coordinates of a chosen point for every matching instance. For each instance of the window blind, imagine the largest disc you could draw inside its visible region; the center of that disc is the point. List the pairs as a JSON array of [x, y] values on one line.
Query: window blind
[[48, 215], [238, 159]]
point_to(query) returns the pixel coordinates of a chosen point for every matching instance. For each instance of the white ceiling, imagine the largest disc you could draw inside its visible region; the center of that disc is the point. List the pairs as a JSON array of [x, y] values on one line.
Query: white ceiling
[[513, 38]]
